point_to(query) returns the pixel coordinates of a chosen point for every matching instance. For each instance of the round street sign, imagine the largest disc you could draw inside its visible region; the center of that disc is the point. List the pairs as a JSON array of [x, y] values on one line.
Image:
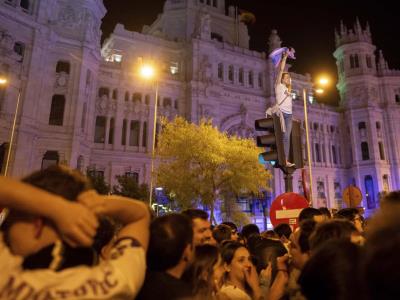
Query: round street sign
[[352, 196], [286, 209]]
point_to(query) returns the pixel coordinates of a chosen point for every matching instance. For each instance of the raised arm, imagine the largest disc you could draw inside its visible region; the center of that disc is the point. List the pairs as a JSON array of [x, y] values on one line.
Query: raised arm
[[75, 223], [281, 68], [133, 214]]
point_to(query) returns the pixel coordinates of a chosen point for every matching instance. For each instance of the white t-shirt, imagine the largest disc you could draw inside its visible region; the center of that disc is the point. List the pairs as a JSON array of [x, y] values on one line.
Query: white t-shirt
[[281, 92], [231, 292], [120, 277]]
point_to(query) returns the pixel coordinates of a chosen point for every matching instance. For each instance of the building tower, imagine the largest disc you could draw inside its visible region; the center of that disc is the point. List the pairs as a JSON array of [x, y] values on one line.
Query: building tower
[[373, 159]]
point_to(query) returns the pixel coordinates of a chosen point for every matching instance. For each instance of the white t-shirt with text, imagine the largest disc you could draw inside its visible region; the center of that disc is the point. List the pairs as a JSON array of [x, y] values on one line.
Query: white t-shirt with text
[[119, 277]]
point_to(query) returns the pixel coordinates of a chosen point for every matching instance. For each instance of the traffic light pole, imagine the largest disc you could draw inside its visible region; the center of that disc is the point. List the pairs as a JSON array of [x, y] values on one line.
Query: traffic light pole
[[288, 175]]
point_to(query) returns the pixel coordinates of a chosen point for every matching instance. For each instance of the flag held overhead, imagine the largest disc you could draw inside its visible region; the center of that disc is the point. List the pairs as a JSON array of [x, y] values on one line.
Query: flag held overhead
[[276, 55]]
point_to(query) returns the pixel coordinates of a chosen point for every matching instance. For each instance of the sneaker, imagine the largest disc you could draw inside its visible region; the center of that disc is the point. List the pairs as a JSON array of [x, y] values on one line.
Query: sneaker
[[290, 165]]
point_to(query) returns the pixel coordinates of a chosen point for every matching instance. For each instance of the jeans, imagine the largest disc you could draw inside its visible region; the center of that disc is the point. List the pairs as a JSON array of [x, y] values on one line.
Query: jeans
[[286, 135]]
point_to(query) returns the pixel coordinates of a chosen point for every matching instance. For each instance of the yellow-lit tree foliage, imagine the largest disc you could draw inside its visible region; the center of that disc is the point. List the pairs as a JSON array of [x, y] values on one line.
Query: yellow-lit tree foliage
[[200, 164]]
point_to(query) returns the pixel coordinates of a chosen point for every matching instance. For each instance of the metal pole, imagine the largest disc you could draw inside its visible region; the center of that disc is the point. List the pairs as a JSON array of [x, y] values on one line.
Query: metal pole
[[308, 143], [12, 133], [153, 145]]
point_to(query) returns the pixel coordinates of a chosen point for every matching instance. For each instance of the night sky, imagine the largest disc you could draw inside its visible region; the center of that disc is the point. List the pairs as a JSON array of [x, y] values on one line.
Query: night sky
[[307, 26]]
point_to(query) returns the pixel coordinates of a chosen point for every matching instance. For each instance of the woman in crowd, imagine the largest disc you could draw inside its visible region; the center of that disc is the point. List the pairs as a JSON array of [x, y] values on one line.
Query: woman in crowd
[[240, 278]]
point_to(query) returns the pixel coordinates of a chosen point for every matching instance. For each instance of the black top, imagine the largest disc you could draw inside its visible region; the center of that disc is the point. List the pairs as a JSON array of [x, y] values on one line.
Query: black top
[[160, 285]]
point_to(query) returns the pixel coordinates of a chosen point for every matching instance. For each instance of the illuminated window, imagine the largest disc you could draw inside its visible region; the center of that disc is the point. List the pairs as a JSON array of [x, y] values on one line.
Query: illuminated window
[[174, 67]]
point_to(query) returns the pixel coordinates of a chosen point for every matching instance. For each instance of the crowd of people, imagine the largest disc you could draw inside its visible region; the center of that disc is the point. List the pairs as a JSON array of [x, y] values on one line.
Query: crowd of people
[[62, 240]]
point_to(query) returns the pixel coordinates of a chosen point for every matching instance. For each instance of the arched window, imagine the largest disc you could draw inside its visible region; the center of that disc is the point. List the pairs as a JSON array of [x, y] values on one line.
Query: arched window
[[230, 73], [364, 151], [100, 130], [317, 153], [137, 97], [220, 71], [167, 102], [25, 4], [104, 91], [134, 133], [124, 129], [385, 183], [260, 80], [251, 78], [50, 158], [381, 151], [356, 64], [63, 66], [147, 99], [57, 110], [369, 192], [352, 62], [83, 120], [111, 131], [241, 77], [144, 136], [115, 94]]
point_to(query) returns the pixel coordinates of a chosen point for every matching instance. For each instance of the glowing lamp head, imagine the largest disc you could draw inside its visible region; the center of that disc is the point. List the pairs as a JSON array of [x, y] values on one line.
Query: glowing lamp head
[[147, 72], [323, 81], [319, 91], [3, 81]]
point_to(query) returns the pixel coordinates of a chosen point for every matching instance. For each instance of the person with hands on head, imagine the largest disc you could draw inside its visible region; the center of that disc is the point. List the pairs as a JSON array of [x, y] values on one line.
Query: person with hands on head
[[45, 242]]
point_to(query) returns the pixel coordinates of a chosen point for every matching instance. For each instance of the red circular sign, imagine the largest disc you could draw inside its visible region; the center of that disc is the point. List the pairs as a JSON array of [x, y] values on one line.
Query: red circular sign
[[286, 209]]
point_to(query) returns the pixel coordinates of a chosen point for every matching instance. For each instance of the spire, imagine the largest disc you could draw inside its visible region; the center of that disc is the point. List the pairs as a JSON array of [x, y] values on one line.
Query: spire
[[342, 28], [274, 41], [381, 61], [357, 26], [367, 29]]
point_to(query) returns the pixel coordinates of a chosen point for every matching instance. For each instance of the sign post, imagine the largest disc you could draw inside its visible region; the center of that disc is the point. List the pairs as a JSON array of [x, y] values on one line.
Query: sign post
[[286, 209]]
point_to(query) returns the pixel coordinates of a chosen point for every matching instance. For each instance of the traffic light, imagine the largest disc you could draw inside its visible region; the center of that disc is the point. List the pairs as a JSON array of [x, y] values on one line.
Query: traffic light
[[272, 141]]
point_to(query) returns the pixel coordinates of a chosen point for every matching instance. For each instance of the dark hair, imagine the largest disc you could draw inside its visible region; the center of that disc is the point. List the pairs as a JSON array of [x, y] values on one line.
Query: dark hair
[[390, 199], [228, 251], [59, 180], [347, 213], [169, 236], [269, 234], [283, 229], [206, 256], [221, 233], [104, 234], [381, 263], [308, 213], [231, 225], [332, 229], [306, 229], [332, 272], [266, 251], [194, 213], [249, 230], [325, 211]]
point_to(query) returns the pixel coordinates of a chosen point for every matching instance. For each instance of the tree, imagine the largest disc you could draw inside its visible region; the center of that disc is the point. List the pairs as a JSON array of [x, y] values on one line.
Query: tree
[[128, 187], [200, 164], [98, 182]]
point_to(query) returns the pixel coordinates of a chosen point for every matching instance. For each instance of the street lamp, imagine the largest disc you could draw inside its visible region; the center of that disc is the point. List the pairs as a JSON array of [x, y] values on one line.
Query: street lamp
[[148, 72], [3, 82], [323, 81]]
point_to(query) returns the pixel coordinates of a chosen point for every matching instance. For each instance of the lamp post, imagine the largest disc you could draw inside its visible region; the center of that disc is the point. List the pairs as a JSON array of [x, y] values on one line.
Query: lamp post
[[4, 81], [148, 72], [323, 81]]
